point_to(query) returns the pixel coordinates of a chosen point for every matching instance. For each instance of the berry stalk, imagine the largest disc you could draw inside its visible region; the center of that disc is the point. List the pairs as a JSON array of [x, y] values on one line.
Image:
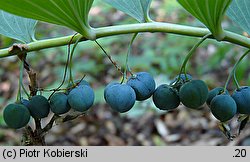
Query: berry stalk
[[232, 73], [236, 66], [127, 68], [118, 68], [71, 78], [19, 96], [189, 55]]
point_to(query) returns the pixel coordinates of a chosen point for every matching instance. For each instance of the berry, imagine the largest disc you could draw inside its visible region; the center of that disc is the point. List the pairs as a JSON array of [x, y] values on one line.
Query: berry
[[193, 94], [165, 98], [223, 107], [81, 98], [39, 107], [109, 85], [120, 97], [214, 92], [16, 115], [183, 79], [25, 102], [78, 83], [143, 84], [59, 103], [242, 99]]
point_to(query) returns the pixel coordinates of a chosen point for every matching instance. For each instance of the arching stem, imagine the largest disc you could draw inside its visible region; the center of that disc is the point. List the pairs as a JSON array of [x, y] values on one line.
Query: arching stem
[[129, 29]]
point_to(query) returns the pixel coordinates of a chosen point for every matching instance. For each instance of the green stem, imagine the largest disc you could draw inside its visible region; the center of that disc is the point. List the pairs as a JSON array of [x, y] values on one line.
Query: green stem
[[65, 69], [228, 79], [25, 91], [236, 81], [132, 28], [233, 72], [236, 66], [71, 78], [190, 53], [127, 68], [67, 64], [19, 95]]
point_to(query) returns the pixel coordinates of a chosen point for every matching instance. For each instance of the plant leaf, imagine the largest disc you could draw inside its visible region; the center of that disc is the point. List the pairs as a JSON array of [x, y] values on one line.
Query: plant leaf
[[239, 12], [16, 27], [138, 9], [69, 13], [209, 12]]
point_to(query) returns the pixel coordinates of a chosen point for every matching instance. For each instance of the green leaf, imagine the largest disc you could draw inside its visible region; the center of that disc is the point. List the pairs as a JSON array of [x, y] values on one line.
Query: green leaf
[[16, 27], [209, 12], [138, 9], [239, 12], [69, 13]]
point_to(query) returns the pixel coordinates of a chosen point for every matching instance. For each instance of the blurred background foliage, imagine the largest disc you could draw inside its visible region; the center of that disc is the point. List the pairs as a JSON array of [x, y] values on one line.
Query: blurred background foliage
[[160, 54]]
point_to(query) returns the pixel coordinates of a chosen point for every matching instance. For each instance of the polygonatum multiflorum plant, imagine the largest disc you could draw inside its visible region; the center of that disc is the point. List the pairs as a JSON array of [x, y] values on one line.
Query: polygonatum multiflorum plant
[[69, 101]]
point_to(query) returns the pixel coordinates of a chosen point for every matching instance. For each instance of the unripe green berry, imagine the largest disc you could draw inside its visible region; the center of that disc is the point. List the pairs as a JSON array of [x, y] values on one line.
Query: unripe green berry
[[16, 115], [193, 94], [39, 107], [214, 92], [223, 107], [165, 98], [59, 103]]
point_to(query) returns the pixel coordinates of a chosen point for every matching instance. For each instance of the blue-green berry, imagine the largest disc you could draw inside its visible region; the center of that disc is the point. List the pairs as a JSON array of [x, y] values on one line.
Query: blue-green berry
[[242, 99], [143, 84], [223, 107], [166, 98], [59, 103], [39, 107], [16, 115], [120, 97], [193, 94], [81, 98]]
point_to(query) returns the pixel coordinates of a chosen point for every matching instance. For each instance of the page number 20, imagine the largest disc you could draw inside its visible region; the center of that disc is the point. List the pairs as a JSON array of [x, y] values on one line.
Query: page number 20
[[240, 153]]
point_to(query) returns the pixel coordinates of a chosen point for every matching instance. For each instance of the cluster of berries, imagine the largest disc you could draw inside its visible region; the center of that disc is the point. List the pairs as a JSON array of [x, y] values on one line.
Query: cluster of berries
[[79, 97], [225, 106], [122, 96]]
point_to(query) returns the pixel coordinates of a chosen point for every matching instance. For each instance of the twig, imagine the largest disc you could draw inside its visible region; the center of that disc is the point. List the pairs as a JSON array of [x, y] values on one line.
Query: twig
[[50, 124], [62, 119]]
